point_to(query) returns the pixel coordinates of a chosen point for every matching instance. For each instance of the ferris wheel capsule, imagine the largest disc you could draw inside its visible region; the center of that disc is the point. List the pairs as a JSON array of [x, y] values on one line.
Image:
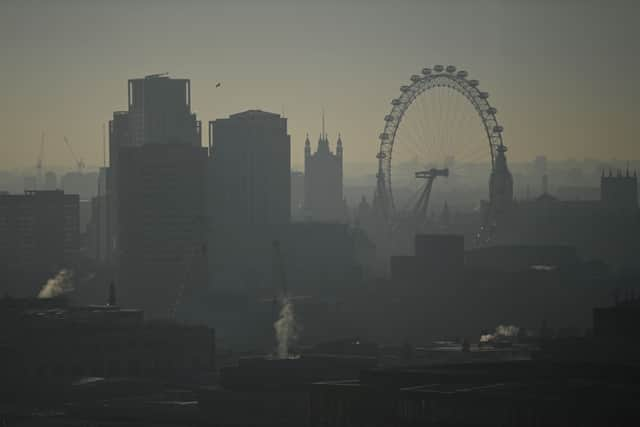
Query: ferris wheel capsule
[[484, 95], [426, 71], [438, 68], [415, 78], [396, 102], [498, 129], [474, 83], [491, 110], [451, 69], [384, 136], [388, 118], [462, 74], [404, 88]]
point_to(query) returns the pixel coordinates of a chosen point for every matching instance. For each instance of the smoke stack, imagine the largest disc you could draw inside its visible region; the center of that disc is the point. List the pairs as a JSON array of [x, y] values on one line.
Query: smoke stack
[[112, 294]]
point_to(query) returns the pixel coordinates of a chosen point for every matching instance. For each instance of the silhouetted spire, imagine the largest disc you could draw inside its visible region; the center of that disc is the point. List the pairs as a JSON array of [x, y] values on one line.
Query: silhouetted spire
[[307, 147]]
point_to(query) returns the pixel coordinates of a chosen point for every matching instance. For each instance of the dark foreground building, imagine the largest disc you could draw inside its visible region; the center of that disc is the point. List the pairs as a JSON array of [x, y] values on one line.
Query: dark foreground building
[[66, 343], [274, 392], [522, 393]]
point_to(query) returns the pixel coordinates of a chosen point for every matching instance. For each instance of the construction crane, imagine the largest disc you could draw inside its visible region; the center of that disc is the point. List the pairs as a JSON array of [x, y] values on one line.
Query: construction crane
[[79, 162], [39, 162], [420, 209]]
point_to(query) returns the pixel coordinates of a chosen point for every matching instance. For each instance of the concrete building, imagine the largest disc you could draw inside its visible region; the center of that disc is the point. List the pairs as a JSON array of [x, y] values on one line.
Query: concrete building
[[323, 181], [250, 169], [39, 235]]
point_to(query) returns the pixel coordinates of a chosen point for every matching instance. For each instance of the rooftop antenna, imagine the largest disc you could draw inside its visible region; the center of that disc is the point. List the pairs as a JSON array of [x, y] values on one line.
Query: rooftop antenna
[[323, 134]]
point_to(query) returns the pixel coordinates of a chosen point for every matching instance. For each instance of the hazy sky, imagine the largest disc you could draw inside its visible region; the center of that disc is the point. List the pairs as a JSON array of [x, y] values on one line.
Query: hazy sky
[[562, 74]]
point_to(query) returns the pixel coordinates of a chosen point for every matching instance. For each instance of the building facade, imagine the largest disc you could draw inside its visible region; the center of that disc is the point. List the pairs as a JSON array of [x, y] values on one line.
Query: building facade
[[250, 169], [161, 228]]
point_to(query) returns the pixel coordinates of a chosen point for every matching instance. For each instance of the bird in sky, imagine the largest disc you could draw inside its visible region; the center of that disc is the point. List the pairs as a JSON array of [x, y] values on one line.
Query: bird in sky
[[218, 84]]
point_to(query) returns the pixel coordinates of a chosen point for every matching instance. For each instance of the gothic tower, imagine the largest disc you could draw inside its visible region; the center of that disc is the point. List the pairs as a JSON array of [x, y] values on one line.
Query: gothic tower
[[500, 184], [323, 180]]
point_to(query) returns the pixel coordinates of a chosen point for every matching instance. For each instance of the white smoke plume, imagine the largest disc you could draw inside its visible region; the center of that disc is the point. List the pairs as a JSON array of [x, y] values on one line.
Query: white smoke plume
[[285, 327], [57, 285], [501, 331]]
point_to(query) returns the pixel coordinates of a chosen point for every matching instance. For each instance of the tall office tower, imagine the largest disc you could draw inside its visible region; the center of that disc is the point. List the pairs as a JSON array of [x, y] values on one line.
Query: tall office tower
[[39, 236], [155, 192], [159, 112], [251, 169], [323, 181], [161, 227]]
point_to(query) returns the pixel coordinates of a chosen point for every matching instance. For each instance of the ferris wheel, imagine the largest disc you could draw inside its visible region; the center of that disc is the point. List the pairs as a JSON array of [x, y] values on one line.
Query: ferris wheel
[[433, 134]]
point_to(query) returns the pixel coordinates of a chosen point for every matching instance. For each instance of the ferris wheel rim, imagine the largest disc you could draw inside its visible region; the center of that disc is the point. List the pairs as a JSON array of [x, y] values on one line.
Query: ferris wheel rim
[[439, 76]]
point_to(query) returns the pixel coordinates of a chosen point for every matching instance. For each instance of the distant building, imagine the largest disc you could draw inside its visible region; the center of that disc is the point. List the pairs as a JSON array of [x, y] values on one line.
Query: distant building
[[39, 235], [250, 169], [599, 229], [619, 192], [323, 181], [81, 183], [30, 183]]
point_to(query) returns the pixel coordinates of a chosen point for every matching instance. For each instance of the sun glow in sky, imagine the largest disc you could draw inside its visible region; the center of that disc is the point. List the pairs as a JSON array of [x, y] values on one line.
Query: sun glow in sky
[[562, 74]]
